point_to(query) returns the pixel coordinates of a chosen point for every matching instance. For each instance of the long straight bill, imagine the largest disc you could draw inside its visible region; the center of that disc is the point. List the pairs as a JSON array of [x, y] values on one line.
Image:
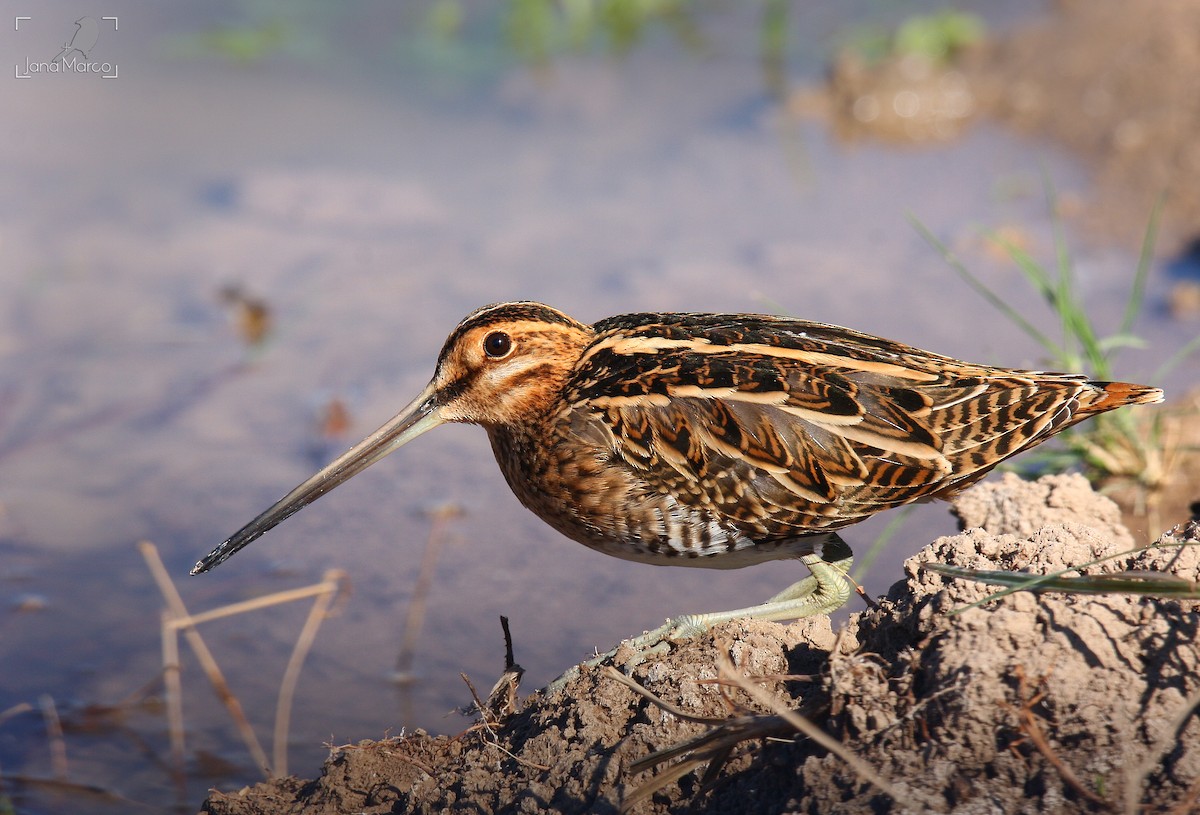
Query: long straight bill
[[420, 415]]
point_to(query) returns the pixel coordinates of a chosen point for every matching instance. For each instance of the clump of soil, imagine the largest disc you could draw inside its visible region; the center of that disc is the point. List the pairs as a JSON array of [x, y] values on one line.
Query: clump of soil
[[1048, 703]]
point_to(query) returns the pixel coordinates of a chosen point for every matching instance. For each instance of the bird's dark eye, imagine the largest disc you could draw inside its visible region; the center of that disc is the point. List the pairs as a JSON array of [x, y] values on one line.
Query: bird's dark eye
[[497, 344]]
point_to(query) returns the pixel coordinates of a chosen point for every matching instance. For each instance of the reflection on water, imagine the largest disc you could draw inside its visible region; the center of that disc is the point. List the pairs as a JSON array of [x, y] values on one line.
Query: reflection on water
[[358, 207]]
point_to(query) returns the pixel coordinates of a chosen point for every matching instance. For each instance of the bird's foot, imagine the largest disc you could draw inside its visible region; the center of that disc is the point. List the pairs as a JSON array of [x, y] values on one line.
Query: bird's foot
[[823, 592], [634, 651]]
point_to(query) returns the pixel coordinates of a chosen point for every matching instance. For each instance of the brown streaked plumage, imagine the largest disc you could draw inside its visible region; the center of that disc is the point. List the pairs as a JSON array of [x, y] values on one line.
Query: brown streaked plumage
[[718, 440]]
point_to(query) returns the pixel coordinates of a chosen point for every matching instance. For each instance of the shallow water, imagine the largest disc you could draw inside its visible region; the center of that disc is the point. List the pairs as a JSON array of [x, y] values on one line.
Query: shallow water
[[371, 202]]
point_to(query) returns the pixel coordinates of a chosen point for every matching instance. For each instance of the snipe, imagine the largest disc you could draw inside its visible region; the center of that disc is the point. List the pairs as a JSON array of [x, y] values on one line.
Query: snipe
[[718, 440]]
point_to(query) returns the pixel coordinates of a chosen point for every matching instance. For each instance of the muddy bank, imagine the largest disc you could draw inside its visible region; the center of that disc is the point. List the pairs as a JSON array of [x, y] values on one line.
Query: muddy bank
[[1113, 83], [1029, 704], [1116, 83]]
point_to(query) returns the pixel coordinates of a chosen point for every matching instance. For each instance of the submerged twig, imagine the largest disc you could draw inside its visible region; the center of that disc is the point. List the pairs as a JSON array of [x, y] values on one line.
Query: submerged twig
[[74, 787]]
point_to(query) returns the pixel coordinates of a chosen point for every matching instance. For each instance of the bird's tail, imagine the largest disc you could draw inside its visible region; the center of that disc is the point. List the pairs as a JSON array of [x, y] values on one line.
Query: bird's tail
[[1105, 396]]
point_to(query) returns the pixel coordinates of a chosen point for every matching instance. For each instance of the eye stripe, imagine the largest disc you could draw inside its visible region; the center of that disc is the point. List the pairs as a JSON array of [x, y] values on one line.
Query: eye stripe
[[452, 390]]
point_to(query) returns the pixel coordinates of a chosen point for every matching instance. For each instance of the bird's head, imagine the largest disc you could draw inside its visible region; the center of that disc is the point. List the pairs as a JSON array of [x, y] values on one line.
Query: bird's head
[[503, 365]]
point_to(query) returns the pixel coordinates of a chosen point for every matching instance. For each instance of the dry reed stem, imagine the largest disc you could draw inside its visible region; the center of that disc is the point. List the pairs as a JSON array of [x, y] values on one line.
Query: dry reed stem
[[207, 662], [331, 586], [54, 732], [278, 598], [173, 691], [415, 618], [334, 584], [15, 710]]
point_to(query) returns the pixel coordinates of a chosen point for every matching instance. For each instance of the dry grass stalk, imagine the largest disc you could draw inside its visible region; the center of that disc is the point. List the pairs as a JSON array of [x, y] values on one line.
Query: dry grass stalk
[[487, 724], [177, 618], [1029, 726], [714, 746], [711, 748]]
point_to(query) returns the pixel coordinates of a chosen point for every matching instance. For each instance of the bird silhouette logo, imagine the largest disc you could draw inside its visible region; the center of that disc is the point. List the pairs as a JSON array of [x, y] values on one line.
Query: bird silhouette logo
[[87, 31]]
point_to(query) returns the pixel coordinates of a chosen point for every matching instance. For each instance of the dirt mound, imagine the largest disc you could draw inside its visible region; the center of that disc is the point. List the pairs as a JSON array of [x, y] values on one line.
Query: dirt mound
[[1046, 703]]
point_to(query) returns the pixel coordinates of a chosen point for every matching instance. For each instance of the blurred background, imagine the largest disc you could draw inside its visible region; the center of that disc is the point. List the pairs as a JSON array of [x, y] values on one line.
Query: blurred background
[[235, 236]]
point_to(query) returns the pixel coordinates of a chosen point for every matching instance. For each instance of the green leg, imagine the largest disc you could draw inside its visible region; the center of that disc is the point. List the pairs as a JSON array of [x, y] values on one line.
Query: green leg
[[823, 592]]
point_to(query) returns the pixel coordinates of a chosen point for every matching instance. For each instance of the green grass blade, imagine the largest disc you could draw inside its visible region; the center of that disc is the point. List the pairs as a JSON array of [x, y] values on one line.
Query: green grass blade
[[1022, 581], [978, 285], [1029, 267], [1176, 358], [1137, 293], [1140, 583], [1077, 326]]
